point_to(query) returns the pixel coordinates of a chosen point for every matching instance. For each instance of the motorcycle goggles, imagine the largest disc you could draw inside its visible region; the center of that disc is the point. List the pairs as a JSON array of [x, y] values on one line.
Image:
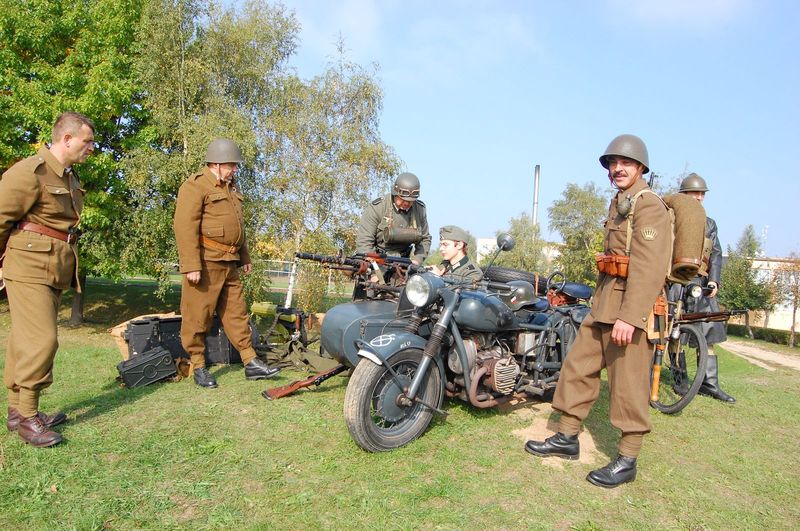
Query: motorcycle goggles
[[408, 195], [422, 290]]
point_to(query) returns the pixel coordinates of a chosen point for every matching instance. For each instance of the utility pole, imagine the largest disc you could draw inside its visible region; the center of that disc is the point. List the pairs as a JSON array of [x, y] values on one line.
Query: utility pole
[[535, 216]]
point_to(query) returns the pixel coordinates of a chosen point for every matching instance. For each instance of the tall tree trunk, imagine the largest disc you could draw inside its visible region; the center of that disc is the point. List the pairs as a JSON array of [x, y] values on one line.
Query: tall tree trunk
[[76, 319], [747, 325], [794, 320]]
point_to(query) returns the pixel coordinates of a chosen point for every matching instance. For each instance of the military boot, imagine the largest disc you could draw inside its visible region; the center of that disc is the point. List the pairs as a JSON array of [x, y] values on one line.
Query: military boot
[[33, 431], [680, 375], [204, 379], [620, 470], [710, 385], [559, 445], [14, 418], [258, 370]]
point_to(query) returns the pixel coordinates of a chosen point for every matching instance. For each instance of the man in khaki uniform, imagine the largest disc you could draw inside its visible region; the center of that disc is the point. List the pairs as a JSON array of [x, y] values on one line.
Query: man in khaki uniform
[[209, 231], [396, 224], [40, 204], [613, 335], [456, 264]]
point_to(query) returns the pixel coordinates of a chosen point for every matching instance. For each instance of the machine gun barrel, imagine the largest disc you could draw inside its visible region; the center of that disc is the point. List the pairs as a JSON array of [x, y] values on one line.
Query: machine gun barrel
[[708, 317], [331, 259]]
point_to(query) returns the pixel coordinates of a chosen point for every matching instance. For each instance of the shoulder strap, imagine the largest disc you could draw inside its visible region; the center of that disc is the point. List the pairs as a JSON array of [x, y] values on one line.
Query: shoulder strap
[[629, 235]]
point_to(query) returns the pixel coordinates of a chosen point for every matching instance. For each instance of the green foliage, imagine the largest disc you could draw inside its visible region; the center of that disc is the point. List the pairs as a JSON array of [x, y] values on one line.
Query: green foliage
[[771, 335], [740, 286], [527, 254], [578, 218], [57, 56], [786, 288]]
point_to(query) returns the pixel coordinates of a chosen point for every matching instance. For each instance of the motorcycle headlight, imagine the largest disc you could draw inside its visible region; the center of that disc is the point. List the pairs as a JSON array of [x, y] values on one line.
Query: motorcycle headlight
[[695, 290], [421, 290]]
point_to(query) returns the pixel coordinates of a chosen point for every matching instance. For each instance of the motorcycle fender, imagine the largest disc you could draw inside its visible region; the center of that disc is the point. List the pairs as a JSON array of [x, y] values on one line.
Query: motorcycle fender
[[384, 346]]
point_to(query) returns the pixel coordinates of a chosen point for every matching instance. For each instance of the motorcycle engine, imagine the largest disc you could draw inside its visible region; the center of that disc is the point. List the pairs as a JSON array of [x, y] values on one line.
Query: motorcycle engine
[[502, 369]]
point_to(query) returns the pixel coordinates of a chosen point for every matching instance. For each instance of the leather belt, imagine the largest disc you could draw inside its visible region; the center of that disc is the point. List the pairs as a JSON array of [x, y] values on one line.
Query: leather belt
[[69, 237], [213, 244]]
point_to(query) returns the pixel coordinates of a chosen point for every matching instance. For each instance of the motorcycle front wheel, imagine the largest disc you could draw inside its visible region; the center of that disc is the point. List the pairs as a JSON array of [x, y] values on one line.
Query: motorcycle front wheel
[[376, 420]]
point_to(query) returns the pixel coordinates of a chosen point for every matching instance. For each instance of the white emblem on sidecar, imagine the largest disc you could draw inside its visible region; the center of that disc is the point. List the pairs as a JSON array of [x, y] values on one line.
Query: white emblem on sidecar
[[382, 341]]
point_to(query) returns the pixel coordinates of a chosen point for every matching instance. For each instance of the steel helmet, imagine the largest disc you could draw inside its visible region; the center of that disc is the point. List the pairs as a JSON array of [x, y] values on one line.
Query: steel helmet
[[406, 186], [630, 146], [521, 295], [222, 150], [693, 183]]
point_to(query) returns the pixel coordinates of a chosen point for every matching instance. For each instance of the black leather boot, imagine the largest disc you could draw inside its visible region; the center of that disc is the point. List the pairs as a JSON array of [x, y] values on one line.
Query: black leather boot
[[710, 385], [620, 470], [680, 375], [258, 370], [204, 379], [559, 445]]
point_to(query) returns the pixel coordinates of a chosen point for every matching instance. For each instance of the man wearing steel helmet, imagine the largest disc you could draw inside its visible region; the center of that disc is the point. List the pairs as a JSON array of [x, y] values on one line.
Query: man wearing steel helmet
[[695, 186], [456, 264], [209, 231], [613, 335], [397, 223]]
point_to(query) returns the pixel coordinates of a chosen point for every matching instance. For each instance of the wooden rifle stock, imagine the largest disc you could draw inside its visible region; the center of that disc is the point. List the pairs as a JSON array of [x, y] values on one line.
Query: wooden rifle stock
[[284, 390], [709, 316]]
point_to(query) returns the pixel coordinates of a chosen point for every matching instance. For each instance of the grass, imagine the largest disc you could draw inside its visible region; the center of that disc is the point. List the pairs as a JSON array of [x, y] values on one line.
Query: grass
[[172, 455]]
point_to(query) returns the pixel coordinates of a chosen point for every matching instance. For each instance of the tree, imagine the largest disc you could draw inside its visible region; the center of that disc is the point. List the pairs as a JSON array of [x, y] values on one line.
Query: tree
[[527, 254], [740, 287], [57, 56], [786, 285], [578, 218]]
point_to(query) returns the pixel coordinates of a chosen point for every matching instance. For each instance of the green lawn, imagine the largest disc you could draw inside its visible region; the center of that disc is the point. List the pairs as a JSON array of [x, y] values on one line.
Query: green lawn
[[172, 455]]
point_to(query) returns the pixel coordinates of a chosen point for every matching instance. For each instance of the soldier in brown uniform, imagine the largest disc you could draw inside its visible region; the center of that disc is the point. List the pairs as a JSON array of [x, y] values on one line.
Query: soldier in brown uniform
[[613, 335], [209, 231], [40, 204]]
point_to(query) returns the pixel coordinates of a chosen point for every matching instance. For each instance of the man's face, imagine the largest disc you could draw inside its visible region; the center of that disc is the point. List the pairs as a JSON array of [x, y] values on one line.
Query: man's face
[[401, 203], [623, 171], [450, 249], [697, 195], [224, 171], [79, 146]]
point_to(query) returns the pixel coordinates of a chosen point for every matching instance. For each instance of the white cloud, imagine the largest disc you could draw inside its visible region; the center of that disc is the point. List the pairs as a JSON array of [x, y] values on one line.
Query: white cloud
[[690, 14]]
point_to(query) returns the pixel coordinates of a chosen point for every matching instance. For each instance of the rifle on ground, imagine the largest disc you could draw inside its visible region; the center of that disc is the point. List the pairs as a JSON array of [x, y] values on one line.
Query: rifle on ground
[[709, 317], [284, 390]]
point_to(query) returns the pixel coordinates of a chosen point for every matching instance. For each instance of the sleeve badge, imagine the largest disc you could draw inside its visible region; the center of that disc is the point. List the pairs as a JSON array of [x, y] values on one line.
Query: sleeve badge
[[649, 233]]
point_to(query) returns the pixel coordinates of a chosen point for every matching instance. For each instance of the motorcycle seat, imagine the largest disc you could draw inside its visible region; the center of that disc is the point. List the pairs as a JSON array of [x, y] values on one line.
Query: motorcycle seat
[[577, 290]]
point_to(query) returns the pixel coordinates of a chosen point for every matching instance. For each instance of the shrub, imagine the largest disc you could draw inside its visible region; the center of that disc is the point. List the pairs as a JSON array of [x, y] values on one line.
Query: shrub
[[771, 335]]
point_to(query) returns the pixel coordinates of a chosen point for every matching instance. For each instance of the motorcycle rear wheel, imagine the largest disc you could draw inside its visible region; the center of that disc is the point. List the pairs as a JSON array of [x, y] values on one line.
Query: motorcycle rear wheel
[[682, 370], [377, 423]]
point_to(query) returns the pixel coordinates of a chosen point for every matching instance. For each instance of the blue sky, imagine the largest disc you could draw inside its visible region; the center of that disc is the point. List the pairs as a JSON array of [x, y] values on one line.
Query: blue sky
[[476, 93]]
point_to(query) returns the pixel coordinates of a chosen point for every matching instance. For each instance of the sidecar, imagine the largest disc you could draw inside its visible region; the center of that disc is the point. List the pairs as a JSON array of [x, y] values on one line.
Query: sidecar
[[365, 320]]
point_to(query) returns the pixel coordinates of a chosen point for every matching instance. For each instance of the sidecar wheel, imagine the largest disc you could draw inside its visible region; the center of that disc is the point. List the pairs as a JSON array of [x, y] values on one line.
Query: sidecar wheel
[[375, 420]]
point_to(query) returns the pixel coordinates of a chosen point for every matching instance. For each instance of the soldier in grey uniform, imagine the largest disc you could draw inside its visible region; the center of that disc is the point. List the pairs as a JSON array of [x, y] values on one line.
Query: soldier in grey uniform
[[396, 224], [695, 186], [456, 264]]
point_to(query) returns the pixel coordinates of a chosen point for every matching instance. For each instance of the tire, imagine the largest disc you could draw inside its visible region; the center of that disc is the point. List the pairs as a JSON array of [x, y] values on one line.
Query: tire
[[690, 350], [375, 421], [505, 274]]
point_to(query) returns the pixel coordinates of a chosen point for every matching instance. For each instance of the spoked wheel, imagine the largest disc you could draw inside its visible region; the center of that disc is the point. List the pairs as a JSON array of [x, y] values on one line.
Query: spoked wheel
[[373, 410], [682, 370]]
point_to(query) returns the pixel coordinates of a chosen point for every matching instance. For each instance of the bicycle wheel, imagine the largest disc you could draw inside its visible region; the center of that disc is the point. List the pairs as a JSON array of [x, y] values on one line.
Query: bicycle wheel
[[682, 370]]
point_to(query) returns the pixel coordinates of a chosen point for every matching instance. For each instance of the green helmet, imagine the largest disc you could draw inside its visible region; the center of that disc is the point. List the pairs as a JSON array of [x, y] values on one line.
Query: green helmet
[[406, 186], [630, 146], [693, 183], [222, 150]]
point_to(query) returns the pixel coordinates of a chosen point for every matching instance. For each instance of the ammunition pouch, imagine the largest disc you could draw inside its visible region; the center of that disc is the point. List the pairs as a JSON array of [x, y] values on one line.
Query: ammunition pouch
[[657, 320], [402, 235], [614, 265]]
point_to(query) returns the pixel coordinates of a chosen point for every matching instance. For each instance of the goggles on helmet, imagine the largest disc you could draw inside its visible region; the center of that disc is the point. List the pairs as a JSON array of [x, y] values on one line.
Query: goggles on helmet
[[407, 194]]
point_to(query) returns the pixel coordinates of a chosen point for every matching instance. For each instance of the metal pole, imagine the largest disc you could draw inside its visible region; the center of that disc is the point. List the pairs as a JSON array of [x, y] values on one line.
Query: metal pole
[[536, 195], [290, 289]]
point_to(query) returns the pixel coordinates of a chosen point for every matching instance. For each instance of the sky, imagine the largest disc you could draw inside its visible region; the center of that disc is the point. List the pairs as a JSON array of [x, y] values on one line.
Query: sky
[[476, 93]]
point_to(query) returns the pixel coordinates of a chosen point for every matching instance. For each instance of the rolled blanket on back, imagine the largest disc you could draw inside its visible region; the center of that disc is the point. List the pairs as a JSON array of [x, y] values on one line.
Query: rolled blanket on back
[[690, 233]]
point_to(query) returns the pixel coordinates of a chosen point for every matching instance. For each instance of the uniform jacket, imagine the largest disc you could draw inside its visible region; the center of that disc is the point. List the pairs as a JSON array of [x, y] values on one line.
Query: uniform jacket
[[39, 190], [379, 214], [631, 299], [214, 209], [465, 269], [714, 332]]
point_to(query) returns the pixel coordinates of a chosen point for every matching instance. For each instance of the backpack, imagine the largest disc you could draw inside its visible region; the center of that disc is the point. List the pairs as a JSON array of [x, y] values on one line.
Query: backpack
[[691, 250]]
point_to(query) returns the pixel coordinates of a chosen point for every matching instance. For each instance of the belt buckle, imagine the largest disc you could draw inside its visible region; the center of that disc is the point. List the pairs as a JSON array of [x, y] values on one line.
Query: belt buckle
[[72, 238], [232, 249]]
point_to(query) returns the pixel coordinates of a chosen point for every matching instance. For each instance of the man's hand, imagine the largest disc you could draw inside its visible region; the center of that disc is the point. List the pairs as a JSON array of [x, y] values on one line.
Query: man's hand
[[622, 333], [247, 268], [436, 270], [193, 277], [415, 262]]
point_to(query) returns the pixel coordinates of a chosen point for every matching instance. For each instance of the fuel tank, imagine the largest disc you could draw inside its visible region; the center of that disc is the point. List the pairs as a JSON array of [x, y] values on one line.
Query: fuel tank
[[483, 312]]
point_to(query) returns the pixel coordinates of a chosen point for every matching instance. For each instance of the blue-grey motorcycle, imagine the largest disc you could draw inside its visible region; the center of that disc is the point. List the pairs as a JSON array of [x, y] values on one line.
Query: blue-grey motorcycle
[[482, 342]]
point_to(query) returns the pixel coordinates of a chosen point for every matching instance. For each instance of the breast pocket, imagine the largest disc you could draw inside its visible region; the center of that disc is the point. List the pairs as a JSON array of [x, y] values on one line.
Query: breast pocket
[[616, 236], [57, 199]]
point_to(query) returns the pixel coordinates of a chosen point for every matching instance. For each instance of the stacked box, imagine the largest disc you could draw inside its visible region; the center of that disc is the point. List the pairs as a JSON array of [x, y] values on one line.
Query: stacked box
[[148, 367]]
